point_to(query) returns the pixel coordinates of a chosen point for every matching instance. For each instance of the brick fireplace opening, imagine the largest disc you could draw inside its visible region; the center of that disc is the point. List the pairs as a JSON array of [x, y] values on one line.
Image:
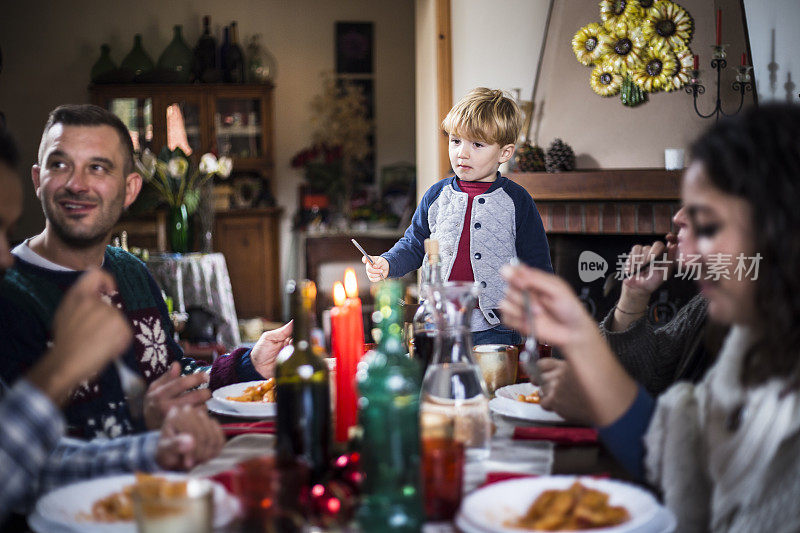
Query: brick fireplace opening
[[607, 212]]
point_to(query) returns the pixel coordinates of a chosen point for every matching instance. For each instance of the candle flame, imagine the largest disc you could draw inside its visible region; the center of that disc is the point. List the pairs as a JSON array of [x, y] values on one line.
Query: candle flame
[[350, 283], [338, 293]]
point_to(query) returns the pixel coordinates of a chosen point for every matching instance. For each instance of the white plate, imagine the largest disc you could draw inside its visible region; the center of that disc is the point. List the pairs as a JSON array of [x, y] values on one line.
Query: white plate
[[488, 509], [58, 511], [259, 409], [505, 403]]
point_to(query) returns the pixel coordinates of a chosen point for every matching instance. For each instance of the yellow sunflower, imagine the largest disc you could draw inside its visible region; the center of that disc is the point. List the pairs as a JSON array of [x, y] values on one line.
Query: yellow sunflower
[[656, 70], [624, 52], [668, 23], [590, 44], [620, 15], [685, 67], [605, 80]]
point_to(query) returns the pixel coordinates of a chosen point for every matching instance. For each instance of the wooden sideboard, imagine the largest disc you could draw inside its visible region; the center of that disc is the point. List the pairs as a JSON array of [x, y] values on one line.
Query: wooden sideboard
[[249, 239]]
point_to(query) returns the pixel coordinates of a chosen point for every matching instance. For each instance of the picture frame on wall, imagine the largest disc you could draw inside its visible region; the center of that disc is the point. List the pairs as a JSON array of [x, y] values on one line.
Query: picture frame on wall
[[354, 48]]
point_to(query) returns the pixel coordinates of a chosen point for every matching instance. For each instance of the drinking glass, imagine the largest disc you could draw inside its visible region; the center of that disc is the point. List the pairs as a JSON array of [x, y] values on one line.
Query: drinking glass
[[498, 363], [442, 477]]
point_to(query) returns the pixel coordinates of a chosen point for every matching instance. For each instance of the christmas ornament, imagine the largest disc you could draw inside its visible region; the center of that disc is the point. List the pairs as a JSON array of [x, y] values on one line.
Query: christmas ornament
[[560, 157], [529, 158]]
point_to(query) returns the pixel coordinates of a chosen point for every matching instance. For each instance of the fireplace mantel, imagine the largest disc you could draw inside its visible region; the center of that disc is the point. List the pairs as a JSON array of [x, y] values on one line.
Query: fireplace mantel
[[653, 184], [624, 201]]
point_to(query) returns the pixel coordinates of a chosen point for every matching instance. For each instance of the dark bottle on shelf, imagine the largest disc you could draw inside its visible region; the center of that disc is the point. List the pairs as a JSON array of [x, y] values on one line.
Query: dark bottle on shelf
[[104, 70], [223, 52], [137, 65], [302, 391], [234, 58], [424, 324], [388, 413], [205, 55]]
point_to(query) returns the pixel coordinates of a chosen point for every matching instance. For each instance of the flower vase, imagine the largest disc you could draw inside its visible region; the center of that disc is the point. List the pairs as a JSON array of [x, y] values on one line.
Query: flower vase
[[178, 229]]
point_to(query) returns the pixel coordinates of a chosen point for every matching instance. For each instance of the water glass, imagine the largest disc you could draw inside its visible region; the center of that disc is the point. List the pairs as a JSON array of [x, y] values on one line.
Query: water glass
[[442, 477], [189, 511], [498, 364]]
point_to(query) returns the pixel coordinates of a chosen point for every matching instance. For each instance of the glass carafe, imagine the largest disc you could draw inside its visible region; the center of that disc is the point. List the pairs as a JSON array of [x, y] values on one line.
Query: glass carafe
[[454, 399]]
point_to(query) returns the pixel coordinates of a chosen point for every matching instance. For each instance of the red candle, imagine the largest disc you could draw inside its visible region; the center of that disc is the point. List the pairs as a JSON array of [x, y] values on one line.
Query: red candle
[[719, 27], [696, 61], [347, 332], [744, 59]]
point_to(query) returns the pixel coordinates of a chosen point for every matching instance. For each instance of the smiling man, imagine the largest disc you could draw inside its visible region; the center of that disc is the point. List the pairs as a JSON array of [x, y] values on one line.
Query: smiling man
[[85, 179]]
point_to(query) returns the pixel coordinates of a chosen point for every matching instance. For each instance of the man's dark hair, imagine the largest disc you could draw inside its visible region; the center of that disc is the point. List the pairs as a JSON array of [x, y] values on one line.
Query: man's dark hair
[[90, 115], [756, 157], [9, 155]]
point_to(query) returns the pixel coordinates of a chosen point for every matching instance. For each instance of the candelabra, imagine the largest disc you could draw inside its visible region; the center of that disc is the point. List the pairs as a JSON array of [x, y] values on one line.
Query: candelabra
[[719, 62]]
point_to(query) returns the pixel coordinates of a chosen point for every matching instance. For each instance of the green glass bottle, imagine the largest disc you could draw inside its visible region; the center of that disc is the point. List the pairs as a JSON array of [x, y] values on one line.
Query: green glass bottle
[[389, 418], [104, 70], [137, 65], [175, 62], [303, 391]]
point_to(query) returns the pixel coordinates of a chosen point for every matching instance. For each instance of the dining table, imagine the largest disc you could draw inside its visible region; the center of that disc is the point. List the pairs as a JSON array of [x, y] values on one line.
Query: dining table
[[519, 448]]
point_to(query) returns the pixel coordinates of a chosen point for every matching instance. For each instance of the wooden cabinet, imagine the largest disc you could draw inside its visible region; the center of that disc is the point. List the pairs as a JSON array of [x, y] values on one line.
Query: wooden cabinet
[[249, 241], [232, 119], [236, 119]]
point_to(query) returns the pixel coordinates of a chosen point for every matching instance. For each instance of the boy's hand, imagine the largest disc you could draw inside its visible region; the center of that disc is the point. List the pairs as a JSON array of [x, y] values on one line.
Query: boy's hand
[[378, 271]]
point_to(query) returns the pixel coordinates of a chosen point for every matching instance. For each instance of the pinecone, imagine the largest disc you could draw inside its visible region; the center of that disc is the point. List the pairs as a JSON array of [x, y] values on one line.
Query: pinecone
[[560, 157], [530, 158]]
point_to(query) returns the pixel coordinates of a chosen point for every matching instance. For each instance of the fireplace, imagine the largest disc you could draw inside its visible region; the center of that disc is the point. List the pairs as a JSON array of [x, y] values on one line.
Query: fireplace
[[606, 212]]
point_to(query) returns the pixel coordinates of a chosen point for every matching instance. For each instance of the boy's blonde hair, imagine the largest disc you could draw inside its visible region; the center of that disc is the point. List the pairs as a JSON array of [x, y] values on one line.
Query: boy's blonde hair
[[486, 115]]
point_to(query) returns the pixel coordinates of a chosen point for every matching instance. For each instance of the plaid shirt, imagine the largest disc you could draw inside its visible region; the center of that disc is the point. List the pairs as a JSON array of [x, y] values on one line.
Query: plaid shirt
[[35, 458]]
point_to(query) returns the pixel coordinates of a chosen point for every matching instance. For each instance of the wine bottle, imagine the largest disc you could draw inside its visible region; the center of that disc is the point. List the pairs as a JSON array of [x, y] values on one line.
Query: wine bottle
[[223, 52], [205, 55], [234, 60], [389, 418], [302, 391]]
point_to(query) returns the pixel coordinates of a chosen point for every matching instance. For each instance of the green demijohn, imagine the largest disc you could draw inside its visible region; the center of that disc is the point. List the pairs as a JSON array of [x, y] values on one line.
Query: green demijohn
[[175, 62], [389, 417], [137, 65], [104, 70]]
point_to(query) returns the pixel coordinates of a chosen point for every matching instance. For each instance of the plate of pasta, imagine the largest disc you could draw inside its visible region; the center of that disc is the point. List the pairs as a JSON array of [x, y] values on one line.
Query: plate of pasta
[[104, 505], [521, 401], [563, 503], [250, 398]]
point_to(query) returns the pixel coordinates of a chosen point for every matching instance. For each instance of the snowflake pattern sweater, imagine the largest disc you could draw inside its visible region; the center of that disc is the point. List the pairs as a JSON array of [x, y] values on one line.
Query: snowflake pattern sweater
[[29, 296]]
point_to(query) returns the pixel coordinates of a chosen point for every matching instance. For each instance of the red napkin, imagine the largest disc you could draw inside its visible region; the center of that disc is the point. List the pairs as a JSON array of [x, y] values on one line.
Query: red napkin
[[570, 436], [494, 477], [227, 478], [244, 428]]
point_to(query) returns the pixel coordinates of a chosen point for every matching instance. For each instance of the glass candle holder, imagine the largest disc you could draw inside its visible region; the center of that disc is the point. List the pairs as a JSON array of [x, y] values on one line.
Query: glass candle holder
[[719, 51]]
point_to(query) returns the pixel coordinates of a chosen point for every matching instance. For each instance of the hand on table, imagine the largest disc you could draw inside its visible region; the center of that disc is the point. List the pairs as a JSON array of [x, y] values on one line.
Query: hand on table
[[88, 332], [269, 345], [379, 271], [188, 437], [173, 390]]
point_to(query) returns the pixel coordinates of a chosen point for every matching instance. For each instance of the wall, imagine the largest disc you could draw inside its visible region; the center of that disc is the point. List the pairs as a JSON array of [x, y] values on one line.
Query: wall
[[427, 121], [49, 48], [496, 44], [774, 43], [603, 132]]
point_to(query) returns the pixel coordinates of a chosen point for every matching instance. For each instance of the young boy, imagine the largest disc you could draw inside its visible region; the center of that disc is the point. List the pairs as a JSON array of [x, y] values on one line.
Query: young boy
[[481, 219]]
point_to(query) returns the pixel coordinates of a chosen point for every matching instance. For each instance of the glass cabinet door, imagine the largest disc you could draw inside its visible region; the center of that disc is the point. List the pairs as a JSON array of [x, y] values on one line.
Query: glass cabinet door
[[183, 125], [238, 127], [137, 115]]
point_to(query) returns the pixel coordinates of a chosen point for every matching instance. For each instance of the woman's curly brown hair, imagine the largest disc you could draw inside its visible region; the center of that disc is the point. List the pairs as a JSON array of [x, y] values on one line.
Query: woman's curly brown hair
[[756, 156]]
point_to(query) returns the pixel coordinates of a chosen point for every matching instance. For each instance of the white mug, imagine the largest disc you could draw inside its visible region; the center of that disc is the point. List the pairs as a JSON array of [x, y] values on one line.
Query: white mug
[[673, 158]]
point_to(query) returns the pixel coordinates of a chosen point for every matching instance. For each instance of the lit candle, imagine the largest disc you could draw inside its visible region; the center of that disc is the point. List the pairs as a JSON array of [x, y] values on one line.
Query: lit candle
[[347, 327], [744, 59], [719, 27], [696, 61]]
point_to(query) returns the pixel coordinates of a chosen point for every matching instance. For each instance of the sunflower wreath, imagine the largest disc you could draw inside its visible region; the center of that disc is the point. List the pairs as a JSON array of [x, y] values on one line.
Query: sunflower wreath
[[639, 47]]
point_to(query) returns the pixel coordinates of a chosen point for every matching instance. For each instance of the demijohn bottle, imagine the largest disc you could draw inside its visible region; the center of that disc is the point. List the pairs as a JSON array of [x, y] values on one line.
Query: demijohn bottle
[[302, 391], [389, 418]]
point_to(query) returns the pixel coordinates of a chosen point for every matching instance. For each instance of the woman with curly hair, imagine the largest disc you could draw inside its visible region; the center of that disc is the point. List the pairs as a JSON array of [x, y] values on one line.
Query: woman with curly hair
[[725, 453]]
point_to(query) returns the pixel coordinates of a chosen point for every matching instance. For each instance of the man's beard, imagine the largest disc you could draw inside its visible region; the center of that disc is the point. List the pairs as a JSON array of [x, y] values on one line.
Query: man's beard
[[97, 235]]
